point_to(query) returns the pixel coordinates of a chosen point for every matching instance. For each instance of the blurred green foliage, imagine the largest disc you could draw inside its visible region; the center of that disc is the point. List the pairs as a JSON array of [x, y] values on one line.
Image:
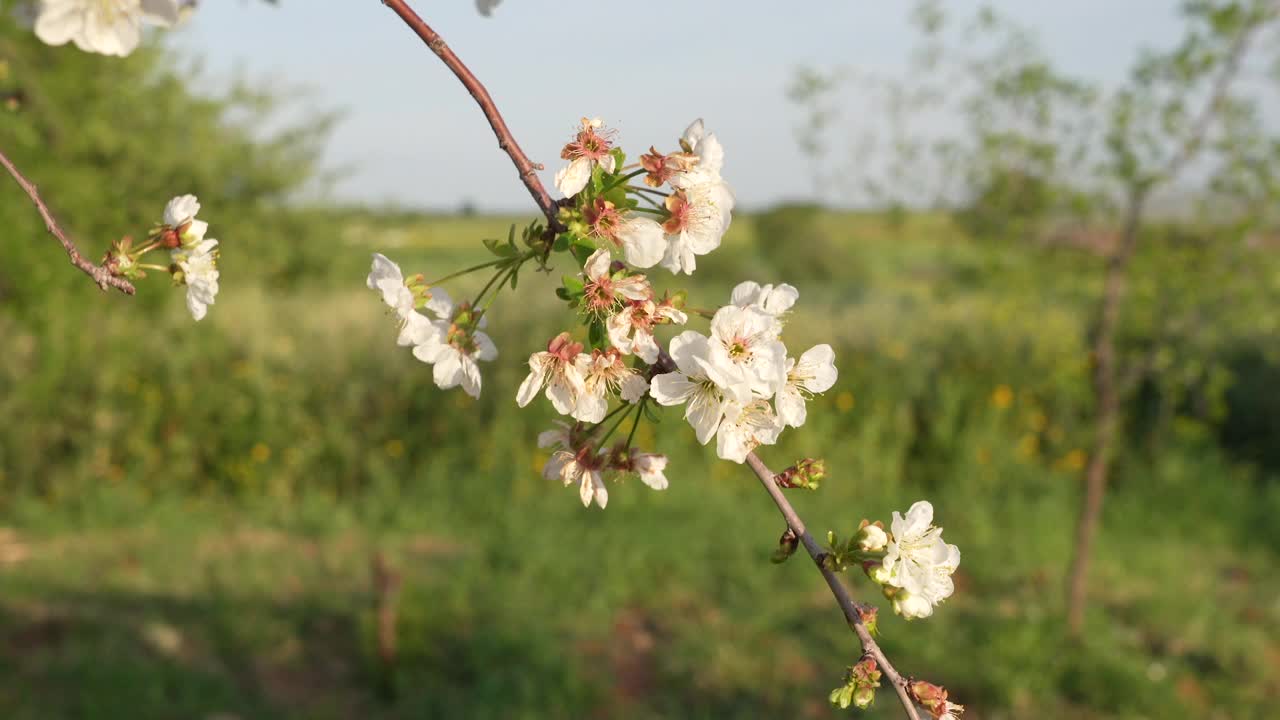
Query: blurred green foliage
[[190, 510]]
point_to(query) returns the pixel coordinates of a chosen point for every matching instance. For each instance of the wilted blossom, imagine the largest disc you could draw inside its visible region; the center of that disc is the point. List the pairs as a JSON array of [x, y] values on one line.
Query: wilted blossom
[[560, 369], [631, 328], [589, 148]]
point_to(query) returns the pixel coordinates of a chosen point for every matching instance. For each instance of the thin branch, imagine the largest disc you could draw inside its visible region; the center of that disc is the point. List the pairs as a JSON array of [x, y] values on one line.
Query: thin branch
[[1217, 94], [100, 274], [664, 362], [524, 166], [841, 593]]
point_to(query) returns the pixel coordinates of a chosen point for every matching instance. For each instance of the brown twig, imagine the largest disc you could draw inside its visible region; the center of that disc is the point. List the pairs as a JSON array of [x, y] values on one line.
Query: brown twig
[[526, 168], [386, 592], [100, 274], [848, 606], [664, 362]]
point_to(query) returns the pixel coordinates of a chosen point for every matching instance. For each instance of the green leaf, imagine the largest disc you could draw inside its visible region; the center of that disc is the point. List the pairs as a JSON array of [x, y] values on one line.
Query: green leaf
[[581, 250], [502, 251], [597, 336], [572, 284]]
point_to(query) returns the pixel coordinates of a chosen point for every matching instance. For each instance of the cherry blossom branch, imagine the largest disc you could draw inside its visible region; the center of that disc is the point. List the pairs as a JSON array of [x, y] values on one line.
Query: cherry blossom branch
[[852, 610], [100, 274], [526, 168]]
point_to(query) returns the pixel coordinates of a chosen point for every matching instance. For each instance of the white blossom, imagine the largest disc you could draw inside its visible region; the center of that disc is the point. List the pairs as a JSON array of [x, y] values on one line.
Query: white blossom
[[768, 299], [560, 369], [643, 241], [454, 348], [918, 561], [180, 215], [385, 277], [815, 372], [697, 220], [589, 148], [703, 386], [744, 428], [108, 27], [748, 340], [705, 173], [200, 274]]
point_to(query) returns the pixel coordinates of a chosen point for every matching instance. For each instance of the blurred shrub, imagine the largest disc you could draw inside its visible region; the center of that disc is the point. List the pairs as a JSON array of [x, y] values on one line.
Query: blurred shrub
[[795, 243]]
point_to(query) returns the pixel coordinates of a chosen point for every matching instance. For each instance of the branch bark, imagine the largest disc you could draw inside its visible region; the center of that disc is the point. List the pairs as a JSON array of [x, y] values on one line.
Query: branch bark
[[100, 275], [526, 168], [848, 606], [548, 207]]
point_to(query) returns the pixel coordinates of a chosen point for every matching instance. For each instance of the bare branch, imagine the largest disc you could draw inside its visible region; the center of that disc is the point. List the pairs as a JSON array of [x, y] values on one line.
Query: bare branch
[[843, 599], [1217, 94], [100, 275], [524, 166]]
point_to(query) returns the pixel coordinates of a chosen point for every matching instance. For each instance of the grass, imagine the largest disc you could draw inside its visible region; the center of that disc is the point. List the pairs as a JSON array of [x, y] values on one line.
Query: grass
[[192, 512]]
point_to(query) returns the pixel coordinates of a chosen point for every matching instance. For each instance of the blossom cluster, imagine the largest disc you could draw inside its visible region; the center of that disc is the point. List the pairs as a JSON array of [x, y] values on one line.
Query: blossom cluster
[[448, 336], [697, 209], [916, 565], [193, 258], [738, 384]]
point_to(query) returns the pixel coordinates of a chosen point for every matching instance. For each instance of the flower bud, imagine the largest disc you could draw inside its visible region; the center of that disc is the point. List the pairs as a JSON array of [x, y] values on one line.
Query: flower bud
[[877, 573], [871, 538], [911, 606], [806, 474], [870, 617]]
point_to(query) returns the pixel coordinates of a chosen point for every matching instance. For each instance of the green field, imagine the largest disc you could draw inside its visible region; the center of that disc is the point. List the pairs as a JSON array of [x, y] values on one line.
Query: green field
[[190, 512]]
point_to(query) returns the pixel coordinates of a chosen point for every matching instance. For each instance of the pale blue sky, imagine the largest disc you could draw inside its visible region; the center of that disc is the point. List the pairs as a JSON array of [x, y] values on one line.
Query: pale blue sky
[[413, 136]]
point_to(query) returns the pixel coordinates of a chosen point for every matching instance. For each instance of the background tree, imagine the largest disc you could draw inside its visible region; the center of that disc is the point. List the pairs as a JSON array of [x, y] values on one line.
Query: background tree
[[1180, 156]]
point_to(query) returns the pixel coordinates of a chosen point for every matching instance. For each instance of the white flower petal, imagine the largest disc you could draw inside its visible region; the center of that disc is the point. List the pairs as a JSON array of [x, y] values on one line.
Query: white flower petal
[[643, 242], [572, 178]]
